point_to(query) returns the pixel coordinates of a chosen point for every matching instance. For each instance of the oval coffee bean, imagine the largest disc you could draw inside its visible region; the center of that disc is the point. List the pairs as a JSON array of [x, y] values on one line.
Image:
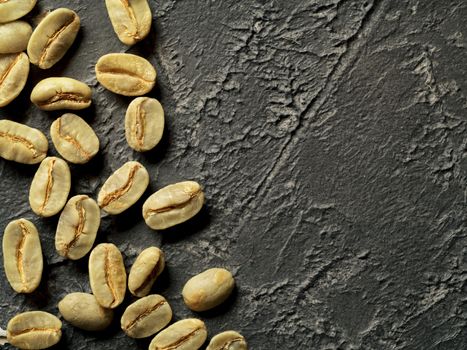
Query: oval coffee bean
[[50, 187], [83, 311], [107, 275], [34, 330], [173, 205], [14, 36], [22, 256], [14, 71], [147, 267], [125, 74], [208, 289], [77, 227], [21, 143], [123, 188], [146, 316], [188, 334], [131, 19], [53, 37], [228, 340], [14, 9], [74, 139], [52, 94], [144, 123]]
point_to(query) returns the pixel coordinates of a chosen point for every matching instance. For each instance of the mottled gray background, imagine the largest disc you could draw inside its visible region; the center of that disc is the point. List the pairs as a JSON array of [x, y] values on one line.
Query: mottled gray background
[[330, 137]]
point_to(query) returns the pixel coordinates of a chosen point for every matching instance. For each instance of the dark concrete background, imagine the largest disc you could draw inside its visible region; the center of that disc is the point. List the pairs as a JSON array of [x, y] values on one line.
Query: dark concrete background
[[330, 139]]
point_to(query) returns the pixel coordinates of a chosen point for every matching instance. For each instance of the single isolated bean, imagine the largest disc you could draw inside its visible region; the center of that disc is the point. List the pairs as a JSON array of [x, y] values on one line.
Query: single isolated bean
[[83, 311], [147, 267], [50, 187], [146, 316], [22, 256], [123, 188], [34, 330], [74, 139], [53, 37], [131, 19], [14, 9], [21, 143], [188, 334], [14, 71], [144, 123], [125, 74], [77, 227], [173, 205], [14, 36], [107, 275], [52, 94], [228, 340], [208, 289]]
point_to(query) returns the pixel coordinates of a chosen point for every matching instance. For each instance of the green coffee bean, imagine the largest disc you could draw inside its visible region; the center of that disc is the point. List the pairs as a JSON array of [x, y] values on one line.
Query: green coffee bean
[[188, 334], [107, 275], [21, 143], [34, 330], [53, 37], [52, 94], [50, 187], [22, 256], [173, 205], [228, 340], [123, 188], [83, 311], [145, 270], [14, 71], [146, 316], [77, 227], [125, 74], [74, 139], [208, 289], [131, 19]]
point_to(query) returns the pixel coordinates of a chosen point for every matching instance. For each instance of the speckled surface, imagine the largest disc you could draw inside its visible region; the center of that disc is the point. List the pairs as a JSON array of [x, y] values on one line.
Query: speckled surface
[[330, 137]]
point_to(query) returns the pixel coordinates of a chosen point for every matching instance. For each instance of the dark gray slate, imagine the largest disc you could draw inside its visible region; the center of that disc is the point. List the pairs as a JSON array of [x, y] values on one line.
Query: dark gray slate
[[330, 137]]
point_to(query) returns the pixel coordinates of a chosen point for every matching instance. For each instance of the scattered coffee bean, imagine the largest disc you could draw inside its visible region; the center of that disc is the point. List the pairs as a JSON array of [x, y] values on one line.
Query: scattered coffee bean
[[14, 9], [131, 19], [74, 139], [52, 94], [83, 311], [34, 330], [145, 270], [173, 205], [14, 36], [14, 71], [22, 256], [107, 275], [21, 143], [50, 187], [229, 340], [208, 289], [53, 37], [144, 123], [125, 74], [123, 188], [188, 334], [77, 227], [146, 316]]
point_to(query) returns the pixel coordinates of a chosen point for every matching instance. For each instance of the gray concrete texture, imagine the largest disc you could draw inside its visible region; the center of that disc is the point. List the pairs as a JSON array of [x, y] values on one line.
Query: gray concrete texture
[[330, 137]]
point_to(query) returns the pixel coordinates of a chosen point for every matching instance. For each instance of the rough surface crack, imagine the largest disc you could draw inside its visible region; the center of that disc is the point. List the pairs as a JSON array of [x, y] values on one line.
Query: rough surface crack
[[60, 96], [175, 206], [182, 340], [50, 184], [78, 228], [19, 252], [108, 279]]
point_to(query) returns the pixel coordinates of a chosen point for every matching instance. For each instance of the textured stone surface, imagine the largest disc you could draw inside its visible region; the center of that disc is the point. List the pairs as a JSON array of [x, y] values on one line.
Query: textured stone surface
[[330, 138]]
